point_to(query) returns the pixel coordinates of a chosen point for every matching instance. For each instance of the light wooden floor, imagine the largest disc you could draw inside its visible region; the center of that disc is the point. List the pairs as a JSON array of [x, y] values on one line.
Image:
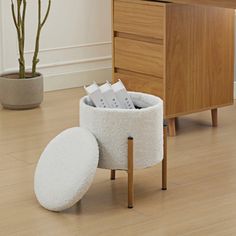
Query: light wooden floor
[[201, 199]]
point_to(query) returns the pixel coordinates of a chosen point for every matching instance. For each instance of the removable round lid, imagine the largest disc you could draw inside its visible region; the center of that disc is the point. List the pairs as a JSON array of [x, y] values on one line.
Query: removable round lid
[[66, 169]]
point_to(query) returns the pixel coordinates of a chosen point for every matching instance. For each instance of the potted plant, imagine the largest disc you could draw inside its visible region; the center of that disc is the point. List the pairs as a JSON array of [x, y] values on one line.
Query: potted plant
[[24, 89]]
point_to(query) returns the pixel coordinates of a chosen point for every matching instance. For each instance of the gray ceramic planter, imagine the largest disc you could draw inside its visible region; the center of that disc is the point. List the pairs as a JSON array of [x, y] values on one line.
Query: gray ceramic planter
[[18, 94]]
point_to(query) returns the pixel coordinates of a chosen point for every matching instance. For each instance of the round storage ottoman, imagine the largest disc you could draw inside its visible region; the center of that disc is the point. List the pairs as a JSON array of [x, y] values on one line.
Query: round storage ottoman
[[112, 127]]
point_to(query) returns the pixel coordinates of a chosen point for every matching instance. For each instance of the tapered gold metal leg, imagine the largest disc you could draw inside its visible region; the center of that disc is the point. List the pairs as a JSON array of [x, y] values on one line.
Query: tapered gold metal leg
[[164, 162], [130, 173]]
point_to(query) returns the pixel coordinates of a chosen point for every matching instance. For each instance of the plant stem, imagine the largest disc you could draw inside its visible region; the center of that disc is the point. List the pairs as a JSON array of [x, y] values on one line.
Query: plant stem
[[19, 22], [23, 24], [40, 26]]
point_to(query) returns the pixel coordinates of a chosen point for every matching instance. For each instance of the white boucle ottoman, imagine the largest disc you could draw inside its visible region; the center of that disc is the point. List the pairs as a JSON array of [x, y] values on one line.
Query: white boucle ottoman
[[116, 139], [112, 127]]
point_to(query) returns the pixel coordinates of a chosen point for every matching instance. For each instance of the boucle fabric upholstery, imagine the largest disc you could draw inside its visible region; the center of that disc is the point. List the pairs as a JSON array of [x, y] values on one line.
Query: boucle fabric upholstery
[[112, 127], [66, 169]]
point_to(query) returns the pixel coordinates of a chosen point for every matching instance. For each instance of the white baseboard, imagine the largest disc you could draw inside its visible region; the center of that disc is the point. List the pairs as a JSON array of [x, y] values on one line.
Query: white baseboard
[[77, 79]]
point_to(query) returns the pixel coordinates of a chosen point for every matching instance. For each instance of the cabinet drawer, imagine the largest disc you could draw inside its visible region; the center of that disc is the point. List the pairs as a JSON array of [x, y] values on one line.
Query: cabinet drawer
[[139, 18], [140, 83], [137, 56]]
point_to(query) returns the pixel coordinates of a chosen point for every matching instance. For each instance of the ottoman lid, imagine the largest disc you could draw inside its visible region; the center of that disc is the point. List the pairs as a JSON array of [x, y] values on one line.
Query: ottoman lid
[[66, 169]]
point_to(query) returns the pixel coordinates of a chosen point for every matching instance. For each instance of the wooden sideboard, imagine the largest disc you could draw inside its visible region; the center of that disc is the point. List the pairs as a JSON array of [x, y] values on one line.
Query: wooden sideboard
[[181, 53]]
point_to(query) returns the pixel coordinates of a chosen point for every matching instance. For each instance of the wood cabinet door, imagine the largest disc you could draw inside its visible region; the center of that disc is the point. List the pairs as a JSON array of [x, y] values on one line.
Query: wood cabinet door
[[199, 58]]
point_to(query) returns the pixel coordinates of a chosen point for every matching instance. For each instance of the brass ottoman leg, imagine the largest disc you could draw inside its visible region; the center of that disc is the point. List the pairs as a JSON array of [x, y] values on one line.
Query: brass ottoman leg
[[164, 162], [130, 173]]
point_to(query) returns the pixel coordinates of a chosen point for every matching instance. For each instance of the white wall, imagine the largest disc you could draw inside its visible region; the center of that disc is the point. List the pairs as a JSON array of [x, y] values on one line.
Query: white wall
[[75, 43]]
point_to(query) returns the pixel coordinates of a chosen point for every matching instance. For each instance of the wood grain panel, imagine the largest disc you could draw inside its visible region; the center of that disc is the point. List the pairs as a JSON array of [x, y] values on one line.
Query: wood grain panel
[[139, 56], [139, 19], [211, 3], [199, 57], [141, 83], [214, 3], [138, 37]]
